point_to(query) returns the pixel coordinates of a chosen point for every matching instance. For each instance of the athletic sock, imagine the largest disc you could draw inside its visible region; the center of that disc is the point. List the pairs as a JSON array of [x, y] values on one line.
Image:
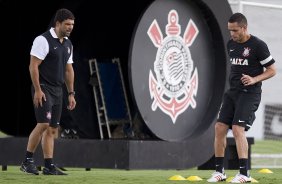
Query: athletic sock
[[28, 155], [219, 164], [243, 164], [48, 162]]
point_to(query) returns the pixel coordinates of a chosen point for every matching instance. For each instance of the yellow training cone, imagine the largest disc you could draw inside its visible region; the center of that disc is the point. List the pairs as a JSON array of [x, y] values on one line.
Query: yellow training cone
[[177, 177], [229, 179], [254, 180], [194, 178], [265, 171]]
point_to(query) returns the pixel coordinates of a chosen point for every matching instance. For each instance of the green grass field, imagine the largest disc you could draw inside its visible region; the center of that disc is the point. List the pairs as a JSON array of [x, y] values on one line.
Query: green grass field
[[113, 176], [267, 147], [2, 134], [109, 176]]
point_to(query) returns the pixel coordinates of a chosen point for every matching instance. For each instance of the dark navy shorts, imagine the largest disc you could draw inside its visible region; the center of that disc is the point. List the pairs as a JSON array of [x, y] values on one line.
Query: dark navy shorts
[[238, 108], [51, 109]]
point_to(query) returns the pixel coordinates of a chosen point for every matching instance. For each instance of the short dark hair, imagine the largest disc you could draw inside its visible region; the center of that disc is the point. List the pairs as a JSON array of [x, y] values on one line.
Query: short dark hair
[[63, 14], [239, 18]]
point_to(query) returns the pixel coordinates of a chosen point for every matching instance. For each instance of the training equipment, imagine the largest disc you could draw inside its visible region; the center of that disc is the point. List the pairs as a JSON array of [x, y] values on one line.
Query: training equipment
[[176, 178], [266, 171], [194, 178]]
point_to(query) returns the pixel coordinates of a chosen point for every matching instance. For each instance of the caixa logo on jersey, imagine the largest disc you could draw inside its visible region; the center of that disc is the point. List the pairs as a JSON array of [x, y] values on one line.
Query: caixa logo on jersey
[[173, 83]]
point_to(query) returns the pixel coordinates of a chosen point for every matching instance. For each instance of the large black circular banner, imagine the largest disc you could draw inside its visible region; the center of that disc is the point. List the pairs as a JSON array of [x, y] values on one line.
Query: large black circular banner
[[178, 66]]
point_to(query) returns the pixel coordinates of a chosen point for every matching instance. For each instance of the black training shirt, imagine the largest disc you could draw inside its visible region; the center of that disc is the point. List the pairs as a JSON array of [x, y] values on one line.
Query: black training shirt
[[54, 55], [248, 58]]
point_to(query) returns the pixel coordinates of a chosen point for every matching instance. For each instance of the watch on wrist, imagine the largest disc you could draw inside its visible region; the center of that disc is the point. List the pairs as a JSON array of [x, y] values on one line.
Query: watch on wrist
[[71, 93]]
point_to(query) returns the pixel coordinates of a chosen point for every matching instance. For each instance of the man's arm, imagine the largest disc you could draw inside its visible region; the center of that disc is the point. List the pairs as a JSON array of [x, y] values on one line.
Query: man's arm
[[69, 76], [34, 74], [269, 72]]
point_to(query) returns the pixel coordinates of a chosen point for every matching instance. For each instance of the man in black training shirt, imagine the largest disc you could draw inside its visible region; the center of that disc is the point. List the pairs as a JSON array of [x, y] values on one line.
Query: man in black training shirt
[[251, 63], [50, 67]]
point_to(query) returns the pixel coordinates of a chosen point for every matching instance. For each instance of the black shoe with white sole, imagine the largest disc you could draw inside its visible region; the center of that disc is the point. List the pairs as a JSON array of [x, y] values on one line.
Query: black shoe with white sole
[[29, 167], [53, 170]]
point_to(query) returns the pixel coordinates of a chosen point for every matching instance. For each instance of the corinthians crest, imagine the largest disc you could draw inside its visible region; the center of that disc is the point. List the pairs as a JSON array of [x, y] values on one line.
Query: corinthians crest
[[176, 83]]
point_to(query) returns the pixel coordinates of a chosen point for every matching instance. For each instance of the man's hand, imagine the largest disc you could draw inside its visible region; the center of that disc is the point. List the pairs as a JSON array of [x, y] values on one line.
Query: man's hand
[[72, 102], [37, 99], [248, 80]]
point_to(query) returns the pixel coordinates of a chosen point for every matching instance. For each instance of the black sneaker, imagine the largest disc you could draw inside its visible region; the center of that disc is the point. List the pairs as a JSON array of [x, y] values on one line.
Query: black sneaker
[[52, 171], [29, 167]]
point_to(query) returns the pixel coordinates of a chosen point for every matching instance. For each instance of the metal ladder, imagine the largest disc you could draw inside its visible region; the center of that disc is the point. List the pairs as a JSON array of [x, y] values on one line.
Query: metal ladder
[[104, 120]]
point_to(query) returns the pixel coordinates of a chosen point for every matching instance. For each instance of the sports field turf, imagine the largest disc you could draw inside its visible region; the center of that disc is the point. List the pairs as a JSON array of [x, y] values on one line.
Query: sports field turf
[[267, 147], [2, 134], [113, 176], [109, 176]]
